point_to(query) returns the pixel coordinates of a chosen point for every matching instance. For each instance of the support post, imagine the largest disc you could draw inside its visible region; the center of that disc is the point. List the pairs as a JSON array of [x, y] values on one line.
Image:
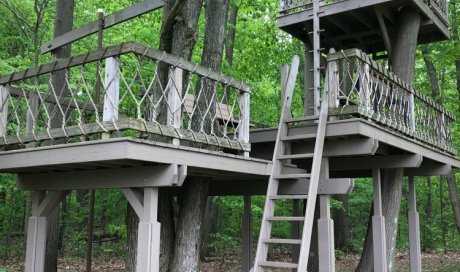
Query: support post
[[42, 205], [326, 247], [111, 91], [365, 88], [4, 93], [378, 226], [175, 101], [148, 241], [414, 229], [246, 241]]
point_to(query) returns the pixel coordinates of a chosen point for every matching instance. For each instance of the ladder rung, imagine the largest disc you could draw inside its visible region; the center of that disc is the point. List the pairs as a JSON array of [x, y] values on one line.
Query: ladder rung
[[286, 218], [282, 197], [282, 241], [301, 119], [278, 264], [319, 50], [320, 68], [296, 156], [319, 31], [299, 137], [292, 176]]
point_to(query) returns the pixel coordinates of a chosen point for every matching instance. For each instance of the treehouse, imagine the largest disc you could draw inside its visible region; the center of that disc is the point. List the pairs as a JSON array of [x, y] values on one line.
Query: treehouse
[[366, 25], [133, 118]]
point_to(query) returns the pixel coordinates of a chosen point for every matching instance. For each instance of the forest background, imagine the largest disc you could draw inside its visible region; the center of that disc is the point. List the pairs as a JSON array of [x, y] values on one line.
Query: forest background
[[254, 55]]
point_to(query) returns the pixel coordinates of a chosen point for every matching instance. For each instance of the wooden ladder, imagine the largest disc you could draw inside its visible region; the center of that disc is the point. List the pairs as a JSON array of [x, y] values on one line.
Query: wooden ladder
[[278, 175], [282, 154]]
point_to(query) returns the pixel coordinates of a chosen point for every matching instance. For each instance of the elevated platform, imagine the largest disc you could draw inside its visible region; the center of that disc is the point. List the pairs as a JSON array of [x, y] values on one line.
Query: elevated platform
[[354, 23], [356, 146]]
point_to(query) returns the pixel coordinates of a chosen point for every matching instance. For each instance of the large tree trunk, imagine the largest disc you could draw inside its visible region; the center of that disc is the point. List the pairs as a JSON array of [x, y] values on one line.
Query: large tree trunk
[[63, 24], [194, 195], [132, 223], [403, 63]]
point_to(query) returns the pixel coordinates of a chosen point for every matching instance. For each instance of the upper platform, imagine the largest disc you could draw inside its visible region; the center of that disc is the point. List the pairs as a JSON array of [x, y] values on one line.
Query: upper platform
[[354, 23]]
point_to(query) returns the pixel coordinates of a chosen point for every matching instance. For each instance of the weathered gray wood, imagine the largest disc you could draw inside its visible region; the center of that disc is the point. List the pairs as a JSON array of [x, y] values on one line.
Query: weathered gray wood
[[378, 226], [148, 241], [4, 93], [326, 249], [133, 177], [111, 89], [246, 231], [414, 229], [384, 30], [326, 187], [109, 21], [390, 161], [36, 242], [174, 117], [243, 134], [135, 199], [50, 202], [122, 49]]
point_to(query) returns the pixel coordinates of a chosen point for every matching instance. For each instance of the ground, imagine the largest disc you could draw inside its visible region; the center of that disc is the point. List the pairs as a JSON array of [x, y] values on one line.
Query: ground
[[441, 262]]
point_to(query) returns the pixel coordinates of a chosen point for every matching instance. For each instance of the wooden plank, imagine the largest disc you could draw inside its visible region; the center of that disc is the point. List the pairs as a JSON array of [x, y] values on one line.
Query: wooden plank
[[384, 30], [378, 225], [111, 20], [175, 99], [384, 162], [135, 199], [50, 202], [414, 229], [117, 178]]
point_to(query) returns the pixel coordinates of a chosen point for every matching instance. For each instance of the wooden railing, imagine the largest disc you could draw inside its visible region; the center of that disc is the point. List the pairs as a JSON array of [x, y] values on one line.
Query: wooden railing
[[142, 92], [440, 7], [361, 86]]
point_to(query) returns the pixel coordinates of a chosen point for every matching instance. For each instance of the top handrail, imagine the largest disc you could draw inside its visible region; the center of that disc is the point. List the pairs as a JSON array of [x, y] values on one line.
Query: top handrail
[[118, 50], [356, 53]]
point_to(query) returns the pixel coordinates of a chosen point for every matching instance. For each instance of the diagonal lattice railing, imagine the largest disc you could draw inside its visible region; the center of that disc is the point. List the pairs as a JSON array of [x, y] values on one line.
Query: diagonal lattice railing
[[365, 88], [142, 92], [293, 6]]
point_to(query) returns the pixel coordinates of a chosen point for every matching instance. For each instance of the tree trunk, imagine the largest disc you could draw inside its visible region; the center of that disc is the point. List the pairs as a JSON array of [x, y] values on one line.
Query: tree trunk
[[428, 214], [456, 40], [195, 191], [132, 223], [342, 225], [63, 24], [187, 244], [453, 191]]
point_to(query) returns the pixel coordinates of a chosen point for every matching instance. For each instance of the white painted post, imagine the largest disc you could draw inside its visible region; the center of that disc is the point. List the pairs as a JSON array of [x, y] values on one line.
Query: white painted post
[[244, 118], [4, 92], [365, 89], [174, 101], [326, 244], [414, 229], [111, 91], [246, 241], [378, 226], [148, 241], [36, 238]]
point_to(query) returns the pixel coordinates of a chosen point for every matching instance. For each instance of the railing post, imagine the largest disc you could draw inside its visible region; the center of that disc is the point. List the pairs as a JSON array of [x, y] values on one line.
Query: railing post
[[332, 81], [111, 91], [175, 101], [4, 93], [412, 111], [365, 91], [243, 134]]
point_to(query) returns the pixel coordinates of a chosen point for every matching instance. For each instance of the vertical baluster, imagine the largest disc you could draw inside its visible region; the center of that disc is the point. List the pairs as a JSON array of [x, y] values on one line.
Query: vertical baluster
[[243, 134], [4, 93], [175, 101], [112, 91]]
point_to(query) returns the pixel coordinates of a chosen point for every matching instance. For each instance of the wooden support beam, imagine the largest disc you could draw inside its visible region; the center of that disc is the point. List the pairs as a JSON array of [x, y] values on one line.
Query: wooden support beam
[[326, 248], [50, 202], [414, 229], [133, 177], [326, 187], [378, 226], [109, 21], [428, 169], [384, 30], [384, 162]]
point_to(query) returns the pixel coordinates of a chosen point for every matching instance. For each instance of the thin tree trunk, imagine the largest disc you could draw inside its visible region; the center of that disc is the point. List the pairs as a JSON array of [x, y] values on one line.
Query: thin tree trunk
[[442, 218], [453, 192], [63, 24], [132, 223], [428, 215], [342, 225]]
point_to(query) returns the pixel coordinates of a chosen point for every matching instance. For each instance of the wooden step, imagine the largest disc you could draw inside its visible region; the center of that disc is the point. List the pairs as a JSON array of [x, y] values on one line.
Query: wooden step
[[301, 119], [282, 197], [292, 176], [296, 156], [286, 218], [299, 137], [278, 264], [282, 241]]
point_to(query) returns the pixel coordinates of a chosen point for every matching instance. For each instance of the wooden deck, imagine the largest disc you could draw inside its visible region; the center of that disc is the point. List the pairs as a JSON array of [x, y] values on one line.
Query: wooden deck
[[354, 24]]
